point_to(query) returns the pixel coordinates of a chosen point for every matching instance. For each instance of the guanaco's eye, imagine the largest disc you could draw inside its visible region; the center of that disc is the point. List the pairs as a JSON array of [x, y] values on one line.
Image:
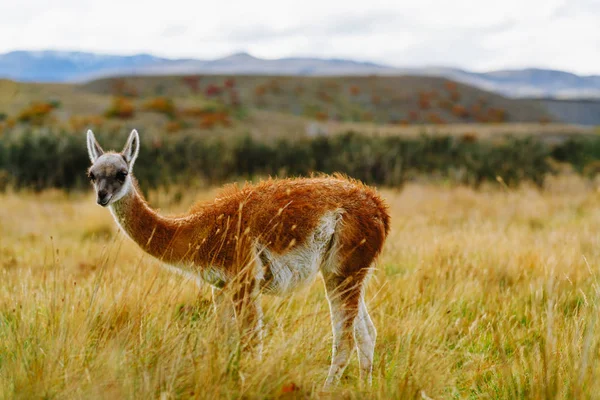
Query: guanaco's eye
[[121, 175], [92, 176]]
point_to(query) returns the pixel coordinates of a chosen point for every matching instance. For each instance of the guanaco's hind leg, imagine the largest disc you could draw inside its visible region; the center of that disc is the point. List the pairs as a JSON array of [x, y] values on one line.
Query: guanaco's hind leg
[[344, 295], [365, 335]]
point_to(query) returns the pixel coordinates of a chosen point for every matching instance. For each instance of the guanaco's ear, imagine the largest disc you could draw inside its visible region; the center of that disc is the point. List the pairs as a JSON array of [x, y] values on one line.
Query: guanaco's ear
[[94, 149], [132, 148]]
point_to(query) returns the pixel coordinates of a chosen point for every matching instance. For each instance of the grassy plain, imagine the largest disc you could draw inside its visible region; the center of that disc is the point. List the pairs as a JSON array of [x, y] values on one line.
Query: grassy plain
[[478, 294]]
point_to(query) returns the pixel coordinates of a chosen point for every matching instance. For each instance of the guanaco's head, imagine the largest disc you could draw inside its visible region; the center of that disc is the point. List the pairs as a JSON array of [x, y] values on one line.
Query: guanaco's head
[[110, 172]]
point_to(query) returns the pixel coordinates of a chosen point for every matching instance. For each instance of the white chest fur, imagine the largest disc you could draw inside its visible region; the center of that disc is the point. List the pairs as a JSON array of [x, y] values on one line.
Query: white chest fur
[[286, 272]]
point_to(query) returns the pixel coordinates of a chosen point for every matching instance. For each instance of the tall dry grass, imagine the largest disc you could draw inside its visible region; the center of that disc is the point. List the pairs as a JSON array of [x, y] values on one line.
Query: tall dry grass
[[478, 294]]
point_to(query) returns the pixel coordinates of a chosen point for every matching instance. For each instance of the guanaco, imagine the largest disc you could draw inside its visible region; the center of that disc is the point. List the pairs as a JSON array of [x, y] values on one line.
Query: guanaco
[[272, 237]]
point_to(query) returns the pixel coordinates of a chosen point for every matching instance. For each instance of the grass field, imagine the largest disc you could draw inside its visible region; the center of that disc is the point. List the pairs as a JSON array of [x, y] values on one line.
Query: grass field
[[478, 294]]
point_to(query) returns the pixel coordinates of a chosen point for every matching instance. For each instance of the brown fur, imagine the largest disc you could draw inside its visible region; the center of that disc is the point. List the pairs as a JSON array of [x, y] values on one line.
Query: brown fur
[[279, 214]]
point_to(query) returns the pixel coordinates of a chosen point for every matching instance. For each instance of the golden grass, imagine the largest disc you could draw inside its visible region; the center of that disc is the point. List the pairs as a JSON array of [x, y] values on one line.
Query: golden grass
[[488, 294]]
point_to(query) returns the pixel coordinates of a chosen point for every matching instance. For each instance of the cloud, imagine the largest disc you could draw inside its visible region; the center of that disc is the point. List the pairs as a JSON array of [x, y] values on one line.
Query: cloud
[[471, 34]]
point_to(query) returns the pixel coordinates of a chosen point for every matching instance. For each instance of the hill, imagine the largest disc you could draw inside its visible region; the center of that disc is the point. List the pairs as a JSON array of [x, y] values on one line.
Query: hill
[[275, 106], [381, 99]]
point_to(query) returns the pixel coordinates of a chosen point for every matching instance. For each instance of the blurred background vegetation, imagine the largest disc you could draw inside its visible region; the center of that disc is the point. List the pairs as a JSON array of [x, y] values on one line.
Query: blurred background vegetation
[[211, 129]]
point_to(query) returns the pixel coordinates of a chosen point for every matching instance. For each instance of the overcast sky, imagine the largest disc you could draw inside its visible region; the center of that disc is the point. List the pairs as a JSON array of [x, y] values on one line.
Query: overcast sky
[[473, 34]]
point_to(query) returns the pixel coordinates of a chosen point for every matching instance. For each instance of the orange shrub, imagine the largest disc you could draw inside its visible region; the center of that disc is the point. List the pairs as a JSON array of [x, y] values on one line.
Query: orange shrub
[[460, 111], [321, 116], [469, 137], [120, 108], [173, 126], [424, 100], [354, 90], [260, 90], [413, 116], [436, 119], [209, 120], [451, 86], [424, 103], [35, 113], [162, 105]]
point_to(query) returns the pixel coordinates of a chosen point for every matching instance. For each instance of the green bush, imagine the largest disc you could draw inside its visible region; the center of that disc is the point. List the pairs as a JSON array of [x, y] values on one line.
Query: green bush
[[578, 151], [42, 158]]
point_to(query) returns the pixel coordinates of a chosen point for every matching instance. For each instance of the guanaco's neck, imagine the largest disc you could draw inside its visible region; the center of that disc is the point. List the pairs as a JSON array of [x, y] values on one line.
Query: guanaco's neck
[[168, 239]]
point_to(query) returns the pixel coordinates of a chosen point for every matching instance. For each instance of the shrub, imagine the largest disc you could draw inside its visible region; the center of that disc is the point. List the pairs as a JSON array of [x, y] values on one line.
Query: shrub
[[174, 126], [213, 90], [460, 111], [120, 108], [424, 101], [211, 119], [230, 83], [121, 88], [193, 82], [42, 158], [451, 86], [436, 119], [36, 113], [321, 116], [162, 105], [260, 90]]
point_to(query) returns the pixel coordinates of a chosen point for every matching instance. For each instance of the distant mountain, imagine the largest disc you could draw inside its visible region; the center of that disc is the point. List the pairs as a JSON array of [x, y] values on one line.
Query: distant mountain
[[246, 64], [530, 82], [60, 66]]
